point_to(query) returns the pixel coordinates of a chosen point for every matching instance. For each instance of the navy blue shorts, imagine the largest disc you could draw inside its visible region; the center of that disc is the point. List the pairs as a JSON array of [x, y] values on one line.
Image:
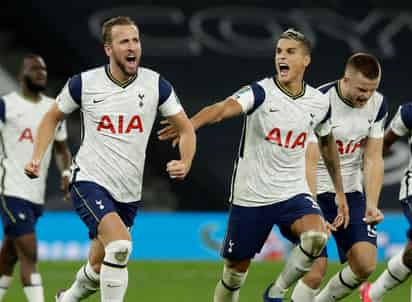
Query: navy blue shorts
[[407, 211], [357, 230], [249, 227], [92, 202], [19, 216]]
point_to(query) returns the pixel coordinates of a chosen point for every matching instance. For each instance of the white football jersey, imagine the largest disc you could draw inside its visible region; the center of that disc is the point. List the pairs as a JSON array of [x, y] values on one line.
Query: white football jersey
[[271, 163], [401, 125], [117, 119], [19, 121], [351, 128]]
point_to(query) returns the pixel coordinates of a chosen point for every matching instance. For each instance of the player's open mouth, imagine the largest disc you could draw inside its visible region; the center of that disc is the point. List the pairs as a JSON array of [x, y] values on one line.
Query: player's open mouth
[[131, 60], [283, 69]]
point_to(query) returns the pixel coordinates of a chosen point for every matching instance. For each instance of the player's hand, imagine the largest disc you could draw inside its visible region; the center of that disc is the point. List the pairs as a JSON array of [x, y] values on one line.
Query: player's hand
[[373, 215], [32, 169], [169, 132], [342, 218], [177, 169], [64, 186]]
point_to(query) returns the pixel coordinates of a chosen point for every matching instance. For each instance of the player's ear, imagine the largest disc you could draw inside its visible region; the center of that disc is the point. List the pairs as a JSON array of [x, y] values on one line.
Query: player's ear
[[107, 49], [306, 60]]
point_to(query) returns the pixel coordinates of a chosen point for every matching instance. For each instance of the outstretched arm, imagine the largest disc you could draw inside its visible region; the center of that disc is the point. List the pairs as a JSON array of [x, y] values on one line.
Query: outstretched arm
[[312, 158], [44, 136], [208, 115]]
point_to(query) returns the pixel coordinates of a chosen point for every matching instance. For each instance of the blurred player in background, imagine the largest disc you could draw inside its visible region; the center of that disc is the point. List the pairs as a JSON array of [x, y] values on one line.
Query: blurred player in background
[[118, 104], [399, 267], [269, 185], [22, 199], [358, 118]]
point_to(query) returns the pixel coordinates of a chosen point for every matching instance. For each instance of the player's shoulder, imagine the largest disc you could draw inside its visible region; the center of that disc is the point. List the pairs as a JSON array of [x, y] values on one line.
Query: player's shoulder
[[9, 97], [92, 74], [327, 87], [314, 93]]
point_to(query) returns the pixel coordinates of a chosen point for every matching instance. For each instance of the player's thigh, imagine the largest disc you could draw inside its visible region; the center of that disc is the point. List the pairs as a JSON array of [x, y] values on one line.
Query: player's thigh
[[112, 228], [19, 216], [407, 254], [97, 209], [246, 233], [305, 215], [8, 253]]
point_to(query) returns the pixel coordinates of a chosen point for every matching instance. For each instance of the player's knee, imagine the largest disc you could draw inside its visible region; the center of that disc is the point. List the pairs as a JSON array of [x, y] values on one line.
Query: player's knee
[[117, 253], [313, 242], [232, 279], [364, 270], [407, 258]]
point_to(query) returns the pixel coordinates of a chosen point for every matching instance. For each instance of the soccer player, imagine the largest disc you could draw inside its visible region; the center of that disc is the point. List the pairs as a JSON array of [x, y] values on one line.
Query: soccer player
[[354, 102], [400, 266], [22, 199], [118, 104], [269, 185]]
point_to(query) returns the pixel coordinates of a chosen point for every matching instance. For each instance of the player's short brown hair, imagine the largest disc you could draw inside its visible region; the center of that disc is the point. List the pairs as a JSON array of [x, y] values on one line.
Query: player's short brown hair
[[293, 34], [109, 24], [366, 64]]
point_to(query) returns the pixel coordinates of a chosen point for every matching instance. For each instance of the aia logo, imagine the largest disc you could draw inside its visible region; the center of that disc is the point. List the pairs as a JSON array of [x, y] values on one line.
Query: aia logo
[[120, 125], [291, 140], [26, 135], [350, 147]]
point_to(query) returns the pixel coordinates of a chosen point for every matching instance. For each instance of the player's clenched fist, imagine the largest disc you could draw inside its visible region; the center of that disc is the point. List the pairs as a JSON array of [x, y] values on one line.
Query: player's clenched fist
[[178, 169], [32, 169]]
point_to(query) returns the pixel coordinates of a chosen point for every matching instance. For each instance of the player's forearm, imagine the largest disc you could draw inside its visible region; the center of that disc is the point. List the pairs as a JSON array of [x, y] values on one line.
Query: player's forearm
[[311, 179], [209, 115], [330, 156], [62, 155], [44, 136], [187, 145], [373, 170]]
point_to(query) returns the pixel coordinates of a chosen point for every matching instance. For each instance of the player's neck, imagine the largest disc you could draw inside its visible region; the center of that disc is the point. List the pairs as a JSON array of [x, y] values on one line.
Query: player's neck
[[293, 87], [30, 95], [343, 92], [118, 74]]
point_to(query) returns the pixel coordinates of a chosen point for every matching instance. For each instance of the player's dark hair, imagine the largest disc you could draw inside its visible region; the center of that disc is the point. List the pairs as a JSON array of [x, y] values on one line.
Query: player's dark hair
[[109, 24], [366, 64], [293, 34]]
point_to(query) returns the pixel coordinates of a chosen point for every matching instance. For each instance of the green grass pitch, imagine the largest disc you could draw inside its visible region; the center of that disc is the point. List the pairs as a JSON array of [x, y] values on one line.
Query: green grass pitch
[[178, 281]]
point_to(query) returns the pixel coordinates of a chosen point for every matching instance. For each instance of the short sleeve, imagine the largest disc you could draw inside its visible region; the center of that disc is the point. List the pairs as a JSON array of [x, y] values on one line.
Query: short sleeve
[[69, 98], [401, 123], [377, 129], [61, 132], [325, 125], [169, 103], [250, 97]]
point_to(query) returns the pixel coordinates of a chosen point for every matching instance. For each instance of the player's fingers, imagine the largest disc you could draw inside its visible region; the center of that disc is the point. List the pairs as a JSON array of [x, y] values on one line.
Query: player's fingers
[[165, 130], [164, 122]]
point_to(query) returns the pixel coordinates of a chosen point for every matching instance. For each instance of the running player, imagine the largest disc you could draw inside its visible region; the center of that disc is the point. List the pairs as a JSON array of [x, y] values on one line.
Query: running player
[[118, 104], [269, 185]]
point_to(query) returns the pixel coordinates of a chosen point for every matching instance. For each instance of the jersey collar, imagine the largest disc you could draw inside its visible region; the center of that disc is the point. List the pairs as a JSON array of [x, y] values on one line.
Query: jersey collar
[[287, 92], [117, 82]]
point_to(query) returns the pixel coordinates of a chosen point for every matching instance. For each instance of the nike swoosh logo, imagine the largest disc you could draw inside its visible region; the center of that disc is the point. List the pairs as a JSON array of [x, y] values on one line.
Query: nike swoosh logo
[[97, 101], [273, 110], [112, 285]]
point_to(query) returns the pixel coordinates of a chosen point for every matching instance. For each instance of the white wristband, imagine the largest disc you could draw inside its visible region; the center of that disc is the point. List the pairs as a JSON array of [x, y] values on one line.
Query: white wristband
[[66, 173]]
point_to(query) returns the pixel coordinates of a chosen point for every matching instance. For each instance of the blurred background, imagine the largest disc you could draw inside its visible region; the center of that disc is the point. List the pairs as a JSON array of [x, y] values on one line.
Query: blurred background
[[207, 50]]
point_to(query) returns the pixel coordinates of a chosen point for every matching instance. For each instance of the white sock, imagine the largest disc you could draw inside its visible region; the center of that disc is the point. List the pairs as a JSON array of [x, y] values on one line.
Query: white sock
[[396, 273], [85, 284], [303, 293], [113, 275], [34, 292], [341, 285], [296, 266], [227, 289], [5, 282]]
